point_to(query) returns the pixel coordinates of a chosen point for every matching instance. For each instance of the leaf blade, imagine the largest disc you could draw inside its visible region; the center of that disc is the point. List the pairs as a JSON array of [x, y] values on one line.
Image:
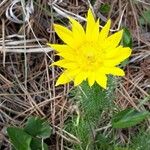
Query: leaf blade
[[128, 118], [36, 126], [20, 139]]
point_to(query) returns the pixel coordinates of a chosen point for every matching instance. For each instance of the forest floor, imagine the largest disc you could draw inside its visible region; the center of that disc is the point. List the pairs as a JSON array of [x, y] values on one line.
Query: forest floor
[[27, 82]]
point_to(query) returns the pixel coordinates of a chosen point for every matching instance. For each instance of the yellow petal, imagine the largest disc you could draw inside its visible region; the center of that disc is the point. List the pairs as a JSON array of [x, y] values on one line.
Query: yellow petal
[[90, 24], [105, 31], [64, 51], [61, 47], [78, 31], [120, 51], [67, 76], [101, 79], [113, 40], [95, 32], [116, 58], [91, 78], [79, 78], [65, 64], [114, 71], [67, 55], [63, 79], [65, 34]]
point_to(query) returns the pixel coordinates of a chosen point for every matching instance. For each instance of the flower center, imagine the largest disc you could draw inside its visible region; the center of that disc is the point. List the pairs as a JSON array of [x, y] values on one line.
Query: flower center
[[90, 56]]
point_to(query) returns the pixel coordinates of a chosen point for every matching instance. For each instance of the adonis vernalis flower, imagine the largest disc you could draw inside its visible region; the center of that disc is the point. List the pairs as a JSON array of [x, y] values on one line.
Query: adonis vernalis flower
[[89, 54]]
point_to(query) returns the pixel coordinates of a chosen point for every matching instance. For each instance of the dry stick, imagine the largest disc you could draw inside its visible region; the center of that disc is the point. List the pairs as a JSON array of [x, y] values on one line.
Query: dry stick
[[25, 56], [47, 73], [5, 80], [136, 22], [122, 14], [16, 47], [97, 5], [16, 101], [143, 2], [103, 128], [32, 102], [70, 135], [24, 33], [12, 83], [111, 8], [120, 17], [137, 80], [146, 94], [41, 104], [7, 116], [127, 97], [32, 50], [10, 110], [67, 139], [61, 109], [3, 41], [3, 2], [53, 82]]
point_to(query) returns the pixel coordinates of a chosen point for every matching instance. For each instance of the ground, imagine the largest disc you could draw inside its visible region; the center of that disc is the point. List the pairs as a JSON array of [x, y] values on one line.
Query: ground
[[27, 82]]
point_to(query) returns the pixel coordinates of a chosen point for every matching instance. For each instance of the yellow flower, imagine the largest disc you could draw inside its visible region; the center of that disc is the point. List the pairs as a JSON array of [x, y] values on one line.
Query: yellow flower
[[89, 54]]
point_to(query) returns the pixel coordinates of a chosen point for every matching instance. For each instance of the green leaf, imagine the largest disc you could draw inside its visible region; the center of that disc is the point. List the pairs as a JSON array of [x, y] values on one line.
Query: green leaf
[[105, 8], [36, 144], [126, 42], [20, 139], [127, 38], [128, 118], [36, 126]]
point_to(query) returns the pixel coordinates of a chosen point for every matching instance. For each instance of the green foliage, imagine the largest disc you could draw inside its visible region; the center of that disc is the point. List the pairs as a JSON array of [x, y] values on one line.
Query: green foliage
[[36, 144], [128, 118], [141, 141], [126, 42], [31, 137], [105, 8], [37, 127], [19, 138], [127, 38], [103, 143], [92, 102], [122, 148]]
